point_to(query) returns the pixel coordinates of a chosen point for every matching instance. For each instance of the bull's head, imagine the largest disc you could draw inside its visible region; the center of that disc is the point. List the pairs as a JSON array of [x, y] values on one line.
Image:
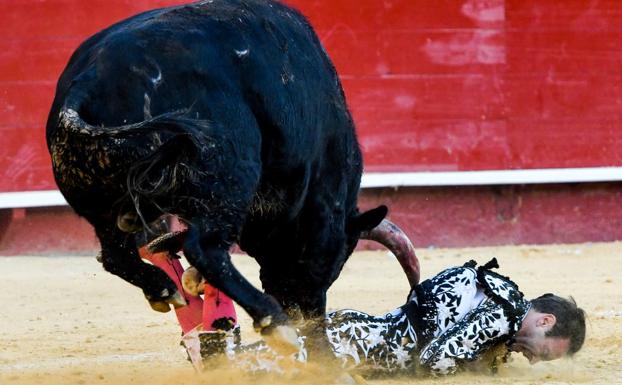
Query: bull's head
[[300, 286]]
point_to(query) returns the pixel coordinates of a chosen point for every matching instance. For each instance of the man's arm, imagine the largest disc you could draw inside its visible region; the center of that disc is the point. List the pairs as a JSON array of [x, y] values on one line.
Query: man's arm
[[480, 329]]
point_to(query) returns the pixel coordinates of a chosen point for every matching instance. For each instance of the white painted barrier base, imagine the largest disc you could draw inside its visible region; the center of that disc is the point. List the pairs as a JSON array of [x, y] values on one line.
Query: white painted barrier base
[[47, 198]]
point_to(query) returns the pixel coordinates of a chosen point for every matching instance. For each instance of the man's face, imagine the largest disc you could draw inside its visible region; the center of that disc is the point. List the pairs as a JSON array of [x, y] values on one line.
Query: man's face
[[537, 349], [532, 342]]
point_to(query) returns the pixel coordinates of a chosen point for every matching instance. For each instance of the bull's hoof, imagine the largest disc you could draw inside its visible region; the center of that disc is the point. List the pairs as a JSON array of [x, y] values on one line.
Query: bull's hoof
[[177, 300], [283, 339], [265, 322], [160, 306], [164, 300]]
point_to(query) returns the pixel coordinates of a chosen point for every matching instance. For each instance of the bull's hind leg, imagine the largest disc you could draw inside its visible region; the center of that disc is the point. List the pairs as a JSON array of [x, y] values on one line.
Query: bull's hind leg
[[120, 257], [207, 253]]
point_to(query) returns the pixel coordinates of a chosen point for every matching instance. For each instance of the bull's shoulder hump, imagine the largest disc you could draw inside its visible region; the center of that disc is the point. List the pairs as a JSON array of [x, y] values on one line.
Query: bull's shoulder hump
[[207, 16]]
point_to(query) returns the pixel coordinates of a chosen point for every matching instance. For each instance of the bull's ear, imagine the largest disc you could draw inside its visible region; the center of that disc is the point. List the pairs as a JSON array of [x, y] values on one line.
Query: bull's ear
[[368, 220]]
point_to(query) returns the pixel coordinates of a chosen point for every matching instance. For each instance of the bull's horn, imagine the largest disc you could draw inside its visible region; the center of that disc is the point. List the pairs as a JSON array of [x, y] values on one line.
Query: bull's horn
[[393, 238]]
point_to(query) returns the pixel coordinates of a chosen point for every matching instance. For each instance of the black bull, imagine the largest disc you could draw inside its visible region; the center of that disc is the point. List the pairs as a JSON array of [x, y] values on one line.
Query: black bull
[[229, 115]]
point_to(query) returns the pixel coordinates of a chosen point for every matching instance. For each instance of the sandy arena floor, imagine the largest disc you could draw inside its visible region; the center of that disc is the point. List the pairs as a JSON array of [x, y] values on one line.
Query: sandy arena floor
[[66, 321]]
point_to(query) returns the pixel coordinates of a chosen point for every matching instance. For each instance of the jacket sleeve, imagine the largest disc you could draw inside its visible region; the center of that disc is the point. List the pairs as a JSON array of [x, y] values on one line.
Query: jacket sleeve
[[466, 340]]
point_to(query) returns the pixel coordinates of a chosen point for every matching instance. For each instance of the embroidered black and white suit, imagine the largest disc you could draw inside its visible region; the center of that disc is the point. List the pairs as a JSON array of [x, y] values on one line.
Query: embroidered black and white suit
[[455, 317], [451, 318]]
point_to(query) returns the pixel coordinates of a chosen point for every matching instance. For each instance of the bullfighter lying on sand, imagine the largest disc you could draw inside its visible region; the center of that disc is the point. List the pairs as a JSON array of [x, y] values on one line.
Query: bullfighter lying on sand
[[461, 316]]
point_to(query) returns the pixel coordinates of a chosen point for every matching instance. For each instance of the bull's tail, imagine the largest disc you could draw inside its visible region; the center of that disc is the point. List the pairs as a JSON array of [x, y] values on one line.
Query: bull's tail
[[159, 172], [174, 122]]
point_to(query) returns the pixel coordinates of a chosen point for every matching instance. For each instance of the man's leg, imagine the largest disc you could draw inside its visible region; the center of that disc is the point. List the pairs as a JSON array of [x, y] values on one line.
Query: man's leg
[[218, 310], [191, 315]]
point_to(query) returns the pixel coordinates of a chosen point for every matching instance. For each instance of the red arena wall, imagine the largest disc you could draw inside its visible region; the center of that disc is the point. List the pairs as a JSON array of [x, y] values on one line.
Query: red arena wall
[[439, 90]]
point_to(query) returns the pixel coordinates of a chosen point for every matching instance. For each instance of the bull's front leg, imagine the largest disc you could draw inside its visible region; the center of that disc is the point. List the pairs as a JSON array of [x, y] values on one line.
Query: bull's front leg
[[211, 258], [119, 256]]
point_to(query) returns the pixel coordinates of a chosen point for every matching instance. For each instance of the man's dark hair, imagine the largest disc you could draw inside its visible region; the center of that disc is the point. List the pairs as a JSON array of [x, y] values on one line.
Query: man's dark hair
[[570, 319]]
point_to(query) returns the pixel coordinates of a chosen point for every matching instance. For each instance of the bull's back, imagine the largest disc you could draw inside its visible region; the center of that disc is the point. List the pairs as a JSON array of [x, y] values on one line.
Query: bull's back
[[214, 59], [209, 56]]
